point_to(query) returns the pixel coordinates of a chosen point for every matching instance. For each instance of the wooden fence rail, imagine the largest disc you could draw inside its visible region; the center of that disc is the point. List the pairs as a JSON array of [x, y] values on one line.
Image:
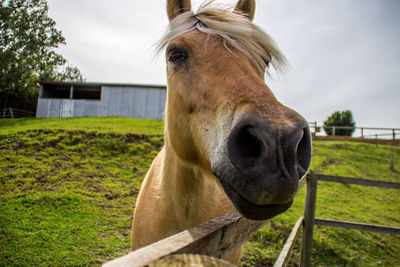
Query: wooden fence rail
[[394, 132], [223, 235], [287, 248], [15, 113], [358, 226], [217, 238], [309, 219], [357, 181]]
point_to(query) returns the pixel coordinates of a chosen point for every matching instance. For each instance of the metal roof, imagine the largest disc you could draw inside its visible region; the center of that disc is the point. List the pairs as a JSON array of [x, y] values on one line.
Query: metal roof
[[87, 84]]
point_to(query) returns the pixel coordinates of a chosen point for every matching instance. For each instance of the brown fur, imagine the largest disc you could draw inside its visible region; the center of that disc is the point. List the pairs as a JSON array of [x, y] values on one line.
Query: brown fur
[[204, 95]]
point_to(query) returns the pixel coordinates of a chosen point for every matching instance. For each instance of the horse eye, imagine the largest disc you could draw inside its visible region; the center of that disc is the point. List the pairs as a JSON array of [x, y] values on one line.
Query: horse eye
[[266, 61], [177, 56]]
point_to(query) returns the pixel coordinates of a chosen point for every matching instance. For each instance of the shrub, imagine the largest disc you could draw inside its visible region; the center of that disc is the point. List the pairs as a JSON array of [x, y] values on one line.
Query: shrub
[[340, 118]]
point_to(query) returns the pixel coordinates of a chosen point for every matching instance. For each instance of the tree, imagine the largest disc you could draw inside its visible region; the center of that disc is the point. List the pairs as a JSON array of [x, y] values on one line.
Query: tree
[[340, 118], [28, 38]]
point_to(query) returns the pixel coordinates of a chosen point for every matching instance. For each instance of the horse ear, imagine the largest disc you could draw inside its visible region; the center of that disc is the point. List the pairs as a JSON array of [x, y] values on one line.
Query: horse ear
[[177, 7], [247, 7]]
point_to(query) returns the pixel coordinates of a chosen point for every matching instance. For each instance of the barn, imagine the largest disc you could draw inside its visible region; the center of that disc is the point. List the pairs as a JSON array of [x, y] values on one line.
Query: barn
[[72, 99]]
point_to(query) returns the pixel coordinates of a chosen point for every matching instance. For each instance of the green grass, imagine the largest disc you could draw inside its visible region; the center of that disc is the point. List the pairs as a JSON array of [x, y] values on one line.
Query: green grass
[[67, 196], [54, 227], [68, 189], [117, 125], [335, 246]]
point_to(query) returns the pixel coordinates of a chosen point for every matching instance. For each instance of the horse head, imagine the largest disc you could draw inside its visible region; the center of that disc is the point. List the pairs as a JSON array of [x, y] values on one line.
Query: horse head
[[221, 116]]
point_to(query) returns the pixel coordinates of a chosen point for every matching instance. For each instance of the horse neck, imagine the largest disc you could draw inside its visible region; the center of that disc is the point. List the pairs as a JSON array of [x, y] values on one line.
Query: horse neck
[[180, 180], [188, 193]]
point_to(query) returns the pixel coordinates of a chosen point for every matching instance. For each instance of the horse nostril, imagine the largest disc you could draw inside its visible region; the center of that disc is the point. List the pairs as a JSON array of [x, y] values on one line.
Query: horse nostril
[[303, 153], [249, 146], [253, 150], [245, 149]]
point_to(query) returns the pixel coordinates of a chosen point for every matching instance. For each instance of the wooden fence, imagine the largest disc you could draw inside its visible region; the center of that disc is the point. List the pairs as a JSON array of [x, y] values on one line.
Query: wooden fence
[[223, 235], [309, 217], [217, 238], [394, 133], [15, 113]]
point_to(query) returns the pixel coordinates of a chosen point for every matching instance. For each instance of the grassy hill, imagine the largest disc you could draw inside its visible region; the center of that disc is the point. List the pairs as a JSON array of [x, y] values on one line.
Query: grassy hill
[[68, 189], [115, 125]]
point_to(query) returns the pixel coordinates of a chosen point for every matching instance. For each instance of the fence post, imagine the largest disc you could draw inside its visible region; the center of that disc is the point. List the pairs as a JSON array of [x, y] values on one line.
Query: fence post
[[393, 134], [309, 215], [362, 132], [11, 113], [333, 131], [71, 92]]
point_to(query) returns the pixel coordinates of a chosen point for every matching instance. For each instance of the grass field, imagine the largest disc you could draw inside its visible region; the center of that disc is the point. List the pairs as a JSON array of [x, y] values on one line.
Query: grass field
[[115, 125], [68, 189]]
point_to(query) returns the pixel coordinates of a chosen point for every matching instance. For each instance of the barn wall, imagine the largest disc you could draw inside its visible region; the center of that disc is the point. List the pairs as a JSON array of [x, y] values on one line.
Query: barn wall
[[133, 102]]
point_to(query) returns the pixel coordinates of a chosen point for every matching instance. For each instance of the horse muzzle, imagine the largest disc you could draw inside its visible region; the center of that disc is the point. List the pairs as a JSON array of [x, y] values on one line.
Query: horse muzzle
[[262, 163]]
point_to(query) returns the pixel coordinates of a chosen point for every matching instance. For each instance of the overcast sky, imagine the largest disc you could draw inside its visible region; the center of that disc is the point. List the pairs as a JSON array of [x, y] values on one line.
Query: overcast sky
[[343, 54]]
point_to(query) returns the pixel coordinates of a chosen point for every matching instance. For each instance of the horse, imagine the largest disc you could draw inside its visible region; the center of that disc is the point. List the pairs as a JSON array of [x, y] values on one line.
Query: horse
[[229, 143]]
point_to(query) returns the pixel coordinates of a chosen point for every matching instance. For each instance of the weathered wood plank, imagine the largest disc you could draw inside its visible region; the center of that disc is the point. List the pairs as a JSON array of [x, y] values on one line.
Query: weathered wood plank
[[287, 248], [358, 226], [218, 238], [357, 181], [181, 260], [309, 215], [302, 181]]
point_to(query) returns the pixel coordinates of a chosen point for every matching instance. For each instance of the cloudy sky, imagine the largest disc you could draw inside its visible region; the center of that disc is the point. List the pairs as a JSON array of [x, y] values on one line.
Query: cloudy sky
[[343, 54]]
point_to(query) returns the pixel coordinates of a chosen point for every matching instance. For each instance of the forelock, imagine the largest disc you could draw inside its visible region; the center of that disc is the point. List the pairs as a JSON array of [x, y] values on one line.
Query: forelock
[[234, 29]]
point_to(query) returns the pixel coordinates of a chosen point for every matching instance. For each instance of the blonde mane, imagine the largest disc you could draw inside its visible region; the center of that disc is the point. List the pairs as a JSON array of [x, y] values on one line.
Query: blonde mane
[[234, 28]]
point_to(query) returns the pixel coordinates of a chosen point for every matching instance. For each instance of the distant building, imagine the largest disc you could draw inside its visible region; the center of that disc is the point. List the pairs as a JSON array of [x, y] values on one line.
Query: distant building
[[70, 99]]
